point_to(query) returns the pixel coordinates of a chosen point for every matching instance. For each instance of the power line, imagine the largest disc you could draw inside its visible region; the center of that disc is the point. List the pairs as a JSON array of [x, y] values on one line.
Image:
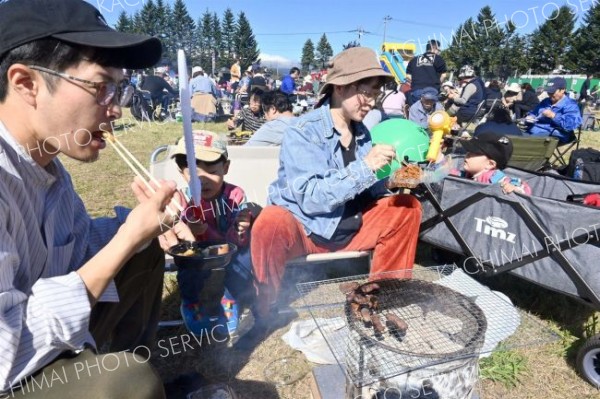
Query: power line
[[404, 21], [304, 33]]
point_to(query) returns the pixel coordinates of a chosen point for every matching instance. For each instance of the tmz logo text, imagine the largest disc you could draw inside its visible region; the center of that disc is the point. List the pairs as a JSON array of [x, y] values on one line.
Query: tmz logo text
[[494, 227]]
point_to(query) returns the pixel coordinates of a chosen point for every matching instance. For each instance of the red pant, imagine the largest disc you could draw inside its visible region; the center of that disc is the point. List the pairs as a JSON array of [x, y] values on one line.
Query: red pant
[[390, 227]]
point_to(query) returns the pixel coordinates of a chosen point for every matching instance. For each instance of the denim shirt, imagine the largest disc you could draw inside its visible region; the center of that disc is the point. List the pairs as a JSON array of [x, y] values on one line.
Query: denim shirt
[[312, 181]]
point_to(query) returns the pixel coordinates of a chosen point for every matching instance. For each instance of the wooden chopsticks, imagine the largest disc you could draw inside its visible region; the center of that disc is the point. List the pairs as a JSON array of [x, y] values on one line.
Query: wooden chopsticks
[[138, 169]]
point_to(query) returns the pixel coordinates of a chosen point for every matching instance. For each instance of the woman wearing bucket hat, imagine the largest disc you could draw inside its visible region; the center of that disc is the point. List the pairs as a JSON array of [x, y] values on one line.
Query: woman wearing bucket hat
[[327, 196]]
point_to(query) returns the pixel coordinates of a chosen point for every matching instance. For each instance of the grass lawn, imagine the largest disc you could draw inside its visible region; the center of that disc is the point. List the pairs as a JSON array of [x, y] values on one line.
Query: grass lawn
[[539, 372]]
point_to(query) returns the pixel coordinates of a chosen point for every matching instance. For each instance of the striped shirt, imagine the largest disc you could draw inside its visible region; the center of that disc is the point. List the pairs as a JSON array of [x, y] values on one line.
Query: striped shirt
[[45, 235], [249, 121]]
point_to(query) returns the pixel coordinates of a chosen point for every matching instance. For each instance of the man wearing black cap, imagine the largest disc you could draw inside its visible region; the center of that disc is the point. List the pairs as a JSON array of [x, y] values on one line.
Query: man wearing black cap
[[70, 284], [556, 116], [425, 70]]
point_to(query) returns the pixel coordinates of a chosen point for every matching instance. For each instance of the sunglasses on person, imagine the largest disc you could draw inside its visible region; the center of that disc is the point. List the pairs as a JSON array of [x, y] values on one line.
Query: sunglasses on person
[[107, 93]]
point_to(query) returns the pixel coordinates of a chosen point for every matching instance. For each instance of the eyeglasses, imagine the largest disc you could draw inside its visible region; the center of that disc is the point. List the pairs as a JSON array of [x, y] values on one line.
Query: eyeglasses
[[106, 92], [368, 95]]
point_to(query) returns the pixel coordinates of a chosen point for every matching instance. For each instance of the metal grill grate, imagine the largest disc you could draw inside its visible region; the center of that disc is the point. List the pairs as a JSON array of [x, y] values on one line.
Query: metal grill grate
[[441, 322], [445, 324]]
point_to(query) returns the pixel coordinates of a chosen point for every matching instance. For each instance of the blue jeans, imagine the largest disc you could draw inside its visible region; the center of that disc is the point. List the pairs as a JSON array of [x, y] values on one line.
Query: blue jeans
[[237, 279]]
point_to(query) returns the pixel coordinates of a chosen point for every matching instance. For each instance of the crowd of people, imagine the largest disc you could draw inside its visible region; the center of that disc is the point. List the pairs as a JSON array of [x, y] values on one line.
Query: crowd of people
[[72, 284]]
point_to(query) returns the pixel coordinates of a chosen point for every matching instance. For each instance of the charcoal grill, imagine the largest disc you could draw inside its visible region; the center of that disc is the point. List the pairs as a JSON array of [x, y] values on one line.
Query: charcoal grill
[[442, 323], [445, 328], [447, 332]]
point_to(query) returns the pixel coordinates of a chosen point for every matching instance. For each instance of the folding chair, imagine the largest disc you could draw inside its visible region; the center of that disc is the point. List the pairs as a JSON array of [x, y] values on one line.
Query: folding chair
[[560, 155], [479, 113], [532, 153], [484, 110]]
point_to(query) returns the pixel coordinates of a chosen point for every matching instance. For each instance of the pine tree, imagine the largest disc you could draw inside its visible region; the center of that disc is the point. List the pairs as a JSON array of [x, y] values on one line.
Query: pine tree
[[199, 53], [490, 40], [308, 55], [163, 16], [350, 44], [467, 48], [148, 19], [552, 42], [228, 36], [587, 42], [246, 45], [515, 54], [324, 52], [136, 22], [124, 23], [182, 29], [206, 40], [217, 39]]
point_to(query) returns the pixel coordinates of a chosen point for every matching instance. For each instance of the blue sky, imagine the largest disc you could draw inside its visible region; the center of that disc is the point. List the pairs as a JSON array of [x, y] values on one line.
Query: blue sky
[[282, 27]]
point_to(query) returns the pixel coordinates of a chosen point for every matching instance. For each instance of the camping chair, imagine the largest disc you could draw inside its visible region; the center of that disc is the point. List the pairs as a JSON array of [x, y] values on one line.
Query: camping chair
[[484, 109], [560, 156], [532, 153]]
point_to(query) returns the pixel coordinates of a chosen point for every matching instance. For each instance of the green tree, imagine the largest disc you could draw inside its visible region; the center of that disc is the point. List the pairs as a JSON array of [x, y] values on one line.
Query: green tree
[[245, 42], [552, 42], [308, 55], [324, 52], [228, 36], [136, 23], [217, 39], [205, 38], [163, 17], [462, 49], [182, 28], [587, 42], [515, 54], [124, 23], [148, 20], [490, 39], [353, 43]]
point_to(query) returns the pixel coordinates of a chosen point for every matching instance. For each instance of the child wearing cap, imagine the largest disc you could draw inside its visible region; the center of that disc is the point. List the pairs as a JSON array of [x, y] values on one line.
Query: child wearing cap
[[487, 155], [221, 216]]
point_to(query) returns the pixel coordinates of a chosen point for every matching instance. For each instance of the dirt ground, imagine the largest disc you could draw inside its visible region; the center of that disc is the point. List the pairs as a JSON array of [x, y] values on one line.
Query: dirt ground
[[550, 371]]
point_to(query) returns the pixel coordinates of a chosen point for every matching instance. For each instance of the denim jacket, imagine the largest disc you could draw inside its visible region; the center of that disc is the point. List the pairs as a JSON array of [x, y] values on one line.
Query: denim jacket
[[567, 119], [312, 181]]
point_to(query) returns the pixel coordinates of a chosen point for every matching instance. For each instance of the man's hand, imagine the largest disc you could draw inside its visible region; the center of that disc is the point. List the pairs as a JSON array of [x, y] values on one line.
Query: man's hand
[[243, 221], [154, 211], [379, 156], [548, 113]]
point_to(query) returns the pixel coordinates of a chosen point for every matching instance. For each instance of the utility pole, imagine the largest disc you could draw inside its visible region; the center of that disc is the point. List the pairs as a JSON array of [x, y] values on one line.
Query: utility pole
[[385, 21], [360, 31]]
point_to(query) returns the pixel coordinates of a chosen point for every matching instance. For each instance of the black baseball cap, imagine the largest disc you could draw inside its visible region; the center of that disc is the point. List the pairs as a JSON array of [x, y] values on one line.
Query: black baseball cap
[[494, 146], [74, 22]]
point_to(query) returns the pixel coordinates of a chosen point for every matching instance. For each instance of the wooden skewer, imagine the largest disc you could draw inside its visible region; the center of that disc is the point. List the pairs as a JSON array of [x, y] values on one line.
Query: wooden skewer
[[128, 157]]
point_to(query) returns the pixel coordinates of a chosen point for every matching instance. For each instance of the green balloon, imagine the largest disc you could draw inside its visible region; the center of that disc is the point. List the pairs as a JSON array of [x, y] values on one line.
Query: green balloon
[[408, 138]]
